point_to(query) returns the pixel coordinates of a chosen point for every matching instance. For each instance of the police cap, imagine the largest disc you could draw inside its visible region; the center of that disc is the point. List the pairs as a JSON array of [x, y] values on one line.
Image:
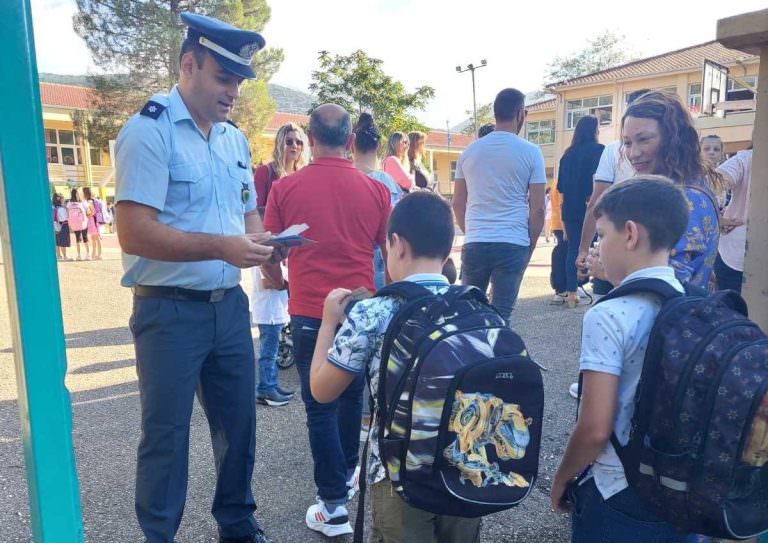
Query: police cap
[[232, 48]]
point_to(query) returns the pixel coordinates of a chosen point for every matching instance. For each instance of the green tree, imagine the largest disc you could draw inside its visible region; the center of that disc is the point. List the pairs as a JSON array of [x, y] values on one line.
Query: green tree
[[604, 51], [140, 41], [484, 116], [358, 83]]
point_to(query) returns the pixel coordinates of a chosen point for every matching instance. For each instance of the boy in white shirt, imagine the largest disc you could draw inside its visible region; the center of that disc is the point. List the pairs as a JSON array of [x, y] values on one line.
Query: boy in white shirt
[[269, 311], [639, 222]]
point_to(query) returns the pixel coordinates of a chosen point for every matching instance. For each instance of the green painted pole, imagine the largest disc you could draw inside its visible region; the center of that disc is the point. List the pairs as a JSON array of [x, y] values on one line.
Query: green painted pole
[[32, 281]]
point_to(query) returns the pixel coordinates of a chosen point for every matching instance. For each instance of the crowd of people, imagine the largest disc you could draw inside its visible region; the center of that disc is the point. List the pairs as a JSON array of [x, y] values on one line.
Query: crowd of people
[[193, 213], [86, 217]]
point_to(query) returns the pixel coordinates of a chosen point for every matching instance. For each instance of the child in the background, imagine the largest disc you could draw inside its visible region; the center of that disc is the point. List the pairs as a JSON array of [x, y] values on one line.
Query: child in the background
[[61, 227], [712, 150], [269, 311]]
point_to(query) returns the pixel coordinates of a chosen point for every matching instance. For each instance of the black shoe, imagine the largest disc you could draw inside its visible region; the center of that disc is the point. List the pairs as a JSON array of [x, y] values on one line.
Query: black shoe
[[285, 391], [257, 537], [273, 399]]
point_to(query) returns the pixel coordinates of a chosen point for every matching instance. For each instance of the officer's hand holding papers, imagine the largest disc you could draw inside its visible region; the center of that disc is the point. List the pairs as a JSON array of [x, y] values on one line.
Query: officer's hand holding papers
[[246, 251]]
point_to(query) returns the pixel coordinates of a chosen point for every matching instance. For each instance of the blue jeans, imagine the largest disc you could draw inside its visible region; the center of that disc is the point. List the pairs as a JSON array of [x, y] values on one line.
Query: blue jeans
[[182, 349], [573, 231], [379, 268], [727, 278], [501, 264], [334, 428], [269, 340], [623, 518]]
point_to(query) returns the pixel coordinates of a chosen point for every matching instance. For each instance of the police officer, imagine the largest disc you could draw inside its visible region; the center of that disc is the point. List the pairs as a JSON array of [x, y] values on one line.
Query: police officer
[[188, 223]]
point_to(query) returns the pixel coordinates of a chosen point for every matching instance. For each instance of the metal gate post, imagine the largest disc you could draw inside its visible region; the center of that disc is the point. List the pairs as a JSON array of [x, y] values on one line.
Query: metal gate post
[[26, 231]]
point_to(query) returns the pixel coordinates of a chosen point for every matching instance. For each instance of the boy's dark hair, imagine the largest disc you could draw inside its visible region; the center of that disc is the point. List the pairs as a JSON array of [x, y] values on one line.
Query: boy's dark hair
[[651, 200], [508, 104], [486, 129], [425, 221]]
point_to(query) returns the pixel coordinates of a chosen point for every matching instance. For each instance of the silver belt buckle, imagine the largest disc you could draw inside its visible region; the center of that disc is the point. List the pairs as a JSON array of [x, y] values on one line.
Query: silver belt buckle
[[217, 295]]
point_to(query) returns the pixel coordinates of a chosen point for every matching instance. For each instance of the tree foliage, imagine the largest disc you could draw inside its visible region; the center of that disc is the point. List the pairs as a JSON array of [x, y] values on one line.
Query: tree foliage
[[484, 116], [358, 83], [140, 40], [604, 51]]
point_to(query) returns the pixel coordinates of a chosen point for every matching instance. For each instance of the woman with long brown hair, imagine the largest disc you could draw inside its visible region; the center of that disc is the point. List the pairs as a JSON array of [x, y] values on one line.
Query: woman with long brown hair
[[417, 141], [288, 156], [660, 138]]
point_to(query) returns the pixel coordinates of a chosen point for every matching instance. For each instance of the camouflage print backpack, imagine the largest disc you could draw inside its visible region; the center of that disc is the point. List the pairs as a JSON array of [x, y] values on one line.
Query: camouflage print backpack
[[459, 404], [698, 446]]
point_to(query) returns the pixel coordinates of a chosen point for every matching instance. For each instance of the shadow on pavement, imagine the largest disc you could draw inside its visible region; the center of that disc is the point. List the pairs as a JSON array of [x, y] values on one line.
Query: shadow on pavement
[[104, 366]]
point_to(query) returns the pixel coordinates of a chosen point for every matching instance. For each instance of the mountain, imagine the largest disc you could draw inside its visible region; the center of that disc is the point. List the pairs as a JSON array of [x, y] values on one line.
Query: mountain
[[288, 100]]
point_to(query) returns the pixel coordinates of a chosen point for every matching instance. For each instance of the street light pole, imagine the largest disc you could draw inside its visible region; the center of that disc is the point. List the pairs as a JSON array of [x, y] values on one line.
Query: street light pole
[[472, 68]]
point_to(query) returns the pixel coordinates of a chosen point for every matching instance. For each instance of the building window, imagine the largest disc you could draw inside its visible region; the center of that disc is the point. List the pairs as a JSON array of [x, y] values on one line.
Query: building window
[[452, 171], [599, 106], [737, 91], [541, 132], [95, 156], [61, 147], [694, 97]]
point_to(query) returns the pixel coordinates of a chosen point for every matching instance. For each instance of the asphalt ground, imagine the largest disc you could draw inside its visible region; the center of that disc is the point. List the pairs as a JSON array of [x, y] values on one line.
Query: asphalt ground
[[102, 381]]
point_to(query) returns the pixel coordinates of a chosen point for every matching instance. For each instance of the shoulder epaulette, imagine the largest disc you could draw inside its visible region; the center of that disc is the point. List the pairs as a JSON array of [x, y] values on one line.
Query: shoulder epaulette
[[230, 121], [152, 109]]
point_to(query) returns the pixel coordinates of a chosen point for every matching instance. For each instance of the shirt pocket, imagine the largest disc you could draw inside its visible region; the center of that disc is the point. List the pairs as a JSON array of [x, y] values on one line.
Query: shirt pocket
[[188, 187], [239, 192]]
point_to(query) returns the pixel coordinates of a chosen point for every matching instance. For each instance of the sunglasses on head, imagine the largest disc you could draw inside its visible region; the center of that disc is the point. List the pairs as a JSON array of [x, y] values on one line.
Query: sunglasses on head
[[291, 141]]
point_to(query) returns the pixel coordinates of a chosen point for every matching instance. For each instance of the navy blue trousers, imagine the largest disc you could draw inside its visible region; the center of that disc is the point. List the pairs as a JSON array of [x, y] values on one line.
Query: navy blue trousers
[[334, 428], [182, 349]]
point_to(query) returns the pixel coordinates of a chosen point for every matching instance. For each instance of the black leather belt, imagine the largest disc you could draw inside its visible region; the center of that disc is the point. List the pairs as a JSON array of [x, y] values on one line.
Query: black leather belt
[[178, 293]]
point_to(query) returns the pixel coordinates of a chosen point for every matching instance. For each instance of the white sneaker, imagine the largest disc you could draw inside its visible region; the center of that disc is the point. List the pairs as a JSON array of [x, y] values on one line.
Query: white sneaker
[[573, 390], [353, 484], [330, 525]]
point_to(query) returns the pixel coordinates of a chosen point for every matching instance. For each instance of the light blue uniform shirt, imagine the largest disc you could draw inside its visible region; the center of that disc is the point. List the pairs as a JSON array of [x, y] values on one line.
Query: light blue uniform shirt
[[197, 185]]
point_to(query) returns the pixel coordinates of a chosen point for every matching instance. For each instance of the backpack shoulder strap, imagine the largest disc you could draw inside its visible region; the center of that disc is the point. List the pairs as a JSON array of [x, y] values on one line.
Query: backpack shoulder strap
[[654, 286], [404, 289], [465, 292]]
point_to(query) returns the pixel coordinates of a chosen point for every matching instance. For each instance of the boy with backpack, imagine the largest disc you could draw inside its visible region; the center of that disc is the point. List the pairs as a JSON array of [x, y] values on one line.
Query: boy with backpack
[[639, 222], [480, 445], [671, 435]]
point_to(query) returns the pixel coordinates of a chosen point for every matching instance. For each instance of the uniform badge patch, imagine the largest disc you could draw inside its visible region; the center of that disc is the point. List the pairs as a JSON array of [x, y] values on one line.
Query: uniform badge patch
[[245, 193], [152, 109]]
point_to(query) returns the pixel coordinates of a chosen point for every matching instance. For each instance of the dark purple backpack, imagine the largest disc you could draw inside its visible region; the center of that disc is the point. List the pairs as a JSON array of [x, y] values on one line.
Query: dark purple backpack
[[698, 446]]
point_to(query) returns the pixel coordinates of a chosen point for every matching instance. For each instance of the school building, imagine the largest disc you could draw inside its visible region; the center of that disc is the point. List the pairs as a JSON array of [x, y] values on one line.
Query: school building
[[73, 161], [604, 94]]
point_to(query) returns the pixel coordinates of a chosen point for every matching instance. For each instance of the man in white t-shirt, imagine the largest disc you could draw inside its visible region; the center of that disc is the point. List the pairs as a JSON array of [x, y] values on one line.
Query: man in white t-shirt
[[499, 203], [614, 167]]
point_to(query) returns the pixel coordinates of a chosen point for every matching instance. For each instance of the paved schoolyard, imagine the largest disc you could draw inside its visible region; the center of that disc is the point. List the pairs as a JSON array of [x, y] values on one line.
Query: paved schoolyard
[[102, 381]]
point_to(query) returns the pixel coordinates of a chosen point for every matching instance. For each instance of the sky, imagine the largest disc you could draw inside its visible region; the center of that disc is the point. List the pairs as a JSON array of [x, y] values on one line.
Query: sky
[[422, 41]]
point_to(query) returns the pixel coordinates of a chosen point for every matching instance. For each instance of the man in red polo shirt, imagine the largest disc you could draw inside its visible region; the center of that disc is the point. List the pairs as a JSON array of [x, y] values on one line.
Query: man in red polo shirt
[[347, 215]]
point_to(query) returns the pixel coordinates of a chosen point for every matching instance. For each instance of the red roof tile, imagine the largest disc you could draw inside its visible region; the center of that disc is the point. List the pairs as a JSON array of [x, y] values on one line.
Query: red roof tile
[[687, 59], [67, 96], [280, 118], [439, 138], [435, 138]]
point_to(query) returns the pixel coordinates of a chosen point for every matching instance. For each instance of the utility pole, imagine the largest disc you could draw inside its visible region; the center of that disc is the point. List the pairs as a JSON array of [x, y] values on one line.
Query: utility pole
[[472, 68]]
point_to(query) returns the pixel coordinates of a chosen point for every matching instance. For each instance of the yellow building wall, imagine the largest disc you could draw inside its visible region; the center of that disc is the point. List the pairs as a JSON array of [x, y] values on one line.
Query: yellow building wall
[[442, 168], [549, 149], [735, 129]]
